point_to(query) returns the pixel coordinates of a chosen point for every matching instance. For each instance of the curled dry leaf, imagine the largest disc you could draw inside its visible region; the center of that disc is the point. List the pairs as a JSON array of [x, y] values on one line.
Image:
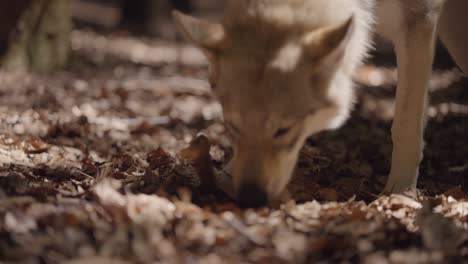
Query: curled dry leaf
[[36, 147], [198, 152]]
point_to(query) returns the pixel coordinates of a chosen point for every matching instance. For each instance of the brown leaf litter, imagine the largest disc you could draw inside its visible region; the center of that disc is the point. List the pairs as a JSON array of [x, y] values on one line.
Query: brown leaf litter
[[120, 157]]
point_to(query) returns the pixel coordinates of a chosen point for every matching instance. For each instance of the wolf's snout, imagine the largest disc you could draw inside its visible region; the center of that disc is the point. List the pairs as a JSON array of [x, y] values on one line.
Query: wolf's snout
[[252, 195]]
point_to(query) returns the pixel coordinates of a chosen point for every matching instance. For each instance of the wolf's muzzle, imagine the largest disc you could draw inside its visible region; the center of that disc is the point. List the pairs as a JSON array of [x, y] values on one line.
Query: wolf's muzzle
[[252, 195]]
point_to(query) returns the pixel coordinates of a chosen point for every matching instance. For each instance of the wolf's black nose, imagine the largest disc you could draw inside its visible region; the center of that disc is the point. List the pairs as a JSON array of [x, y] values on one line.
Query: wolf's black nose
[[251, 195]]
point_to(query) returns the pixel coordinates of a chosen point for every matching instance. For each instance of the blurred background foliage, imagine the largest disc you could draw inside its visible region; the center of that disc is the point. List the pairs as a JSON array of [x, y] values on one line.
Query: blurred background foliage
[[34, 35]]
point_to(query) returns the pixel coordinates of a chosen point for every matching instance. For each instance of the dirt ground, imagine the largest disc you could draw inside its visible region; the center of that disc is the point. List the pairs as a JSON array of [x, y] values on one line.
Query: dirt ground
[[92, 170]]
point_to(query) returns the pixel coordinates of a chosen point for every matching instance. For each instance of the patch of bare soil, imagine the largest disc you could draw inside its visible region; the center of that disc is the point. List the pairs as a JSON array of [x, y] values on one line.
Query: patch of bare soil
[[95, 168]]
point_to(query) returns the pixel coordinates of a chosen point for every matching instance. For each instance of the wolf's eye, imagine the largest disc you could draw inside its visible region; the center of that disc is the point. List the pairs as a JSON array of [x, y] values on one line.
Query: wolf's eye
[[281, 132], [232, 130]]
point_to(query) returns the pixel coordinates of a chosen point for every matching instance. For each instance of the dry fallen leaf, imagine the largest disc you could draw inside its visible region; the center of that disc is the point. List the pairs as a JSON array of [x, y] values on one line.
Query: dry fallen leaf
[[457, 193], [36, 147], [328, 194], [439, 232]]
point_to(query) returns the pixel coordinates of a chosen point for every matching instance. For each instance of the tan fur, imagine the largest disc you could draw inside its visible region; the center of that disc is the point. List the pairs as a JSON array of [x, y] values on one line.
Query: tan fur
[[283, 71]]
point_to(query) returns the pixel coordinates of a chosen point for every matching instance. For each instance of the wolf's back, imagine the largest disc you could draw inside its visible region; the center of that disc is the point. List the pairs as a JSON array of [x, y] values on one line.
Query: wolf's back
[[270, 18]]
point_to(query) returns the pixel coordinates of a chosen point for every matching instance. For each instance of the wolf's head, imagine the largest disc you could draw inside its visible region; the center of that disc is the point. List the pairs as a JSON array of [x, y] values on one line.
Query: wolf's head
[[278, 82]]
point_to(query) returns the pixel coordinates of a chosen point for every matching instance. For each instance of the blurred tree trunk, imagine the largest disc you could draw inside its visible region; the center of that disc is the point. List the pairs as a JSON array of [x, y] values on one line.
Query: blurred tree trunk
[[152, 16], [40, 41], [10, 12]]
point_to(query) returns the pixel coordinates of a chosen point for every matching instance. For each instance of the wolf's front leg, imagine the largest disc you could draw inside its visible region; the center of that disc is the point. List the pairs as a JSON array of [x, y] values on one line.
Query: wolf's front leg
[[454, 33], [414, 46]]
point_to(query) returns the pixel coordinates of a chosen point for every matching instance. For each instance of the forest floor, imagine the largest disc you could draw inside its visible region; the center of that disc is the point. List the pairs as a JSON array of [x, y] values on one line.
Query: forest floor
[[92, 170]]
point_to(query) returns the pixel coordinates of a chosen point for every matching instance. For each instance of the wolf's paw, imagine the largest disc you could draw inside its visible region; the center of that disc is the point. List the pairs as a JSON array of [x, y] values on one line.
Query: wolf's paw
[[400, 185]]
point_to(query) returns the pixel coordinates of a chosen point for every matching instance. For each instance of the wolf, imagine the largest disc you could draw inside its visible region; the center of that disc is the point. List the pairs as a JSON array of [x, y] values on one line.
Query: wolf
[[282, 71]]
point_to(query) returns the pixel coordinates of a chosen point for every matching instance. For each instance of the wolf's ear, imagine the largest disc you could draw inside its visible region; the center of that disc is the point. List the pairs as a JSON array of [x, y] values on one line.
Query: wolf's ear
[[329, 43], [206, 35]]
